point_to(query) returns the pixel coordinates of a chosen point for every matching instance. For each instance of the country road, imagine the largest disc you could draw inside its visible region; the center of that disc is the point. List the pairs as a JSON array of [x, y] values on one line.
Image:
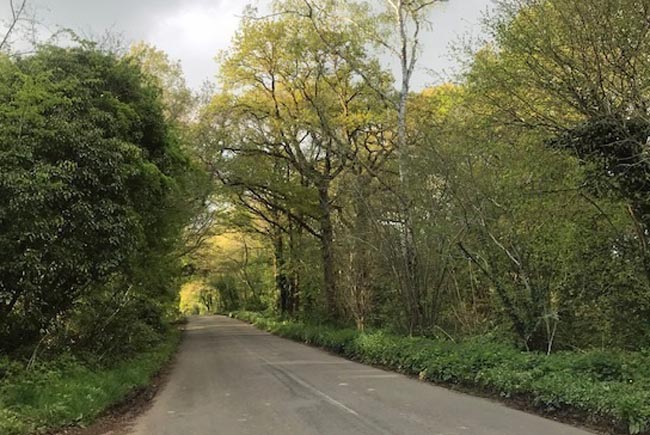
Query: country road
[[231, 379]]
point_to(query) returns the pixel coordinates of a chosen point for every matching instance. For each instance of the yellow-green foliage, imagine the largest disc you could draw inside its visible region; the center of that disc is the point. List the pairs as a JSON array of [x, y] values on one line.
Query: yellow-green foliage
[[232, 270], [196, 297]]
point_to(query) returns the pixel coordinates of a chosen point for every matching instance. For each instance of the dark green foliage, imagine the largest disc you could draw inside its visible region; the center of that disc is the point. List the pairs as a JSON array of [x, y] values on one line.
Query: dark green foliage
[[93, 195], [95, 191], [616, 148], [603, 386], [229, 293]]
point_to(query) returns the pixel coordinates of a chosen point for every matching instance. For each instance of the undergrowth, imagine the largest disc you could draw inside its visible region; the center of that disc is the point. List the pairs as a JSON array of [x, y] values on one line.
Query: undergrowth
[[67, 391]]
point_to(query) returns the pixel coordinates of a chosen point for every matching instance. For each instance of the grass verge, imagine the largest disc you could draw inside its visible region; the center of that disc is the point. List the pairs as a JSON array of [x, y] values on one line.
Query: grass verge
[[606, 388], [66, 392]]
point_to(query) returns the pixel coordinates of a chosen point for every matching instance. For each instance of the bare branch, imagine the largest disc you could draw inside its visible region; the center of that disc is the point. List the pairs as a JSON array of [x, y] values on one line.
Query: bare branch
[[16, 16]]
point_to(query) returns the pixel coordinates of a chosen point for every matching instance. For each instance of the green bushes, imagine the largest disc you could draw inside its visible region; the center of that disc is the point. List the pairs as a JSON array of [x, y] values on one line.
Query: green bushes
[[65, 391], [95, 193], [610, 387]]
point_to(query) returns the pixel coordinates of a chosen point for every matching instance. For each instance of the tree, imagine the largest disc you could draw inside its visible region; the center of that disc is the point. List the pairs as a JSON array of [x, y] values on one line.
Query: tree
[[578, 73], [574, 75], [18, 11], [268, 200], [454, 211], [396, 29], [92, 187], [168, 77], [301, 105]]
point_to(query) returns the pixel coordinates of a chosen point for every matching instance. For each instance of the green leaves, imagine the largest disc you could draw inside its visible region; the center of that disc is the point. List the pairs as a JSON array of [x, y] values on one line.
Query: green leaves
[[67, 391], [89, 183]]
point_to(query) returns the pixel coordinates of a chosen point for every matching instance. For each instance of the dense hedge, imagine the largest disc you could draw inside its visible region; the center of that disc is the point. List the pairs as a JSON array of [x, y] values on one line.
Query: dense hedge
[[67, 391], [603, 386]]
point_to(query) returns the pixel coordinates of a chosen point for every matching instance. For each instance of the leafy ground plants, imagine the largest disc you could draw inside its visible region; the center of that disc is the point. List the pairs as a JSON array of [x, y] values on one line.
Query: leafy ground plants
[[68, 392], [603, 387]]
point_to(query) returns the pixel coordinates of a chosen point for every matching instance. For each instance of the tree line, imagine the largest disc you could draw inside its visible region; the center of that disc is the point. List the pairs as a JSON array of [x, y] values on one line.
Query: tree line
[[513, 202], [318, 184]]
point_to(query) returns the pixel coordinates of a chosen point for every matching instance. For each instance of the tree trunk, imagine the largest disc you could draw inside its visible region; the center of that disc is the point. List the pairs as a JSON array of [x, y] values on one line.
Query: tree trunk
[[327, 249], [295, 234], [362, 287], [281, 281]]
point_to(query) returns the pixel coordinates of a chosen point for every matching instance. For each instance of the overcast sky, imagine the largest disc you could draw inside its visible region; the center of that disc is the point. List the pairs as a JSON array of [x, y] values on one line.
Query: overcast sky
[[195, 30]]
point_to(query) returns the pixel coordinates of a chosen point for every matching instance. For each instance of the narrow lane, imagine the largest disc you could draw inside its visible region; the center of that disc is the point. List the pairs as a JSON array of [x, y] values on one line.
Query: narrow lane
[[232, 379]]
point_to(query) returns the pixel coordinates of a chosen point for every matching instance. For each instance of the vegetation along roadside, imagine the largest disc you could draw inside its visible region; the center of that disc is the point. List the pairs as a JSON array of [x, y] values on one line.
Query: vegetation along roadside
[[96, 193], [68, 392], [489, 230]]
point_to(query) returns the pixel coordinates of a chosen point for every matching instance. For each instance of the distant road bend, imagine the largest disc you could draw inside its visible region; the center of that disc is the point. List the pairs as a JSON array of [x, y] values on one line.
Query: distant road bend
[[232, 379]]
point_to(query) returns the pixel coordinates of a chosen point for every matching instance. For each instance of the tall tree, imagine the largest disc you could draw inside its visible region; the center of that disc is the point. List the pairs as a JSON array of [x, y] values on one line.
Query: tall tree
[[301, 103], [92, 185], [394, 27], [578, 72]]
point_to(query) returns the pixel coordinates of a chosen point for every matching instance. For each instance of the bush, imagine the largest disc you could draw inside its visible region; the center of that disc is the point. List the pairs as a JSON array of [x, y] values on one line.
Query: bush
[[95, 192], [610, 387]]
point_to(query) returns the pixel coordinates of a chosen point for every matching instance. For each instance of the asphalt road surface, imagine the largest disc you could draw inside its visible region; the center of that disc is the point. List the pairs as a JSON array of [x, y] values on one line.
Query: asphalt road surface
[[232, 379]]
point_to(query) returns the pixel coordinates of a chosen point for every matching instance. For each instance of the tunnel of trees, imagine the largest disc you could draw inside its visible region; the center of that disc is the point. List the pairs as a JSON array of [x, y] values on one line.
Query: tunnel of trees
[[501, 219], [317, 184], [513, 202]]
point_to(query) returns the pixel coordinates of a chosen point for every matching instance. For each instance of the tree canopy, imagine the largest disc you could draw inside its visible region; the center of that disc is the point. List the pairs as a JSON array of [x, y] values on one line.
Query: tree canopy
[[513, 200]]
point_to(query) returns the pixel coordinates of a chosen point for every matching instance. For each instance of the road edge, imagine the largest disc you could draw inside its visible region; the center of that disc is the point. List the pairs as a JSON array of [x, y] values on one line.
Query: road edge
[[520, 402], [118, 417]]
